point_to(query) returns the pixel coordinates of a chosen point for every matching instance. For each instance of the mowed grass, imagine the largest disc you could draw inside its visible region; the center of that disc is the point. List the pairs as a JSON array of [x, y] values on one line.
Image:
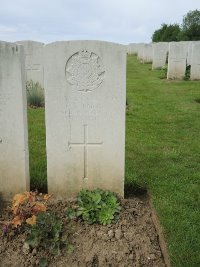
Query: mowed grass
[[37, 149], [162, 154]]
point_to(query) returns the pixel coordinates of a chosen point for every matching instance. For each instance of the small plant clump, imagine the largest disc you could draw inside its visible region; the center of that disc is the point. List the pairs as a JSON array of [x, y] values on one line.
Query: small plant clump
[[25, 208], [35, 94], [46, 233], [165, 68], [96, 206], [42, 228], [187, 73]]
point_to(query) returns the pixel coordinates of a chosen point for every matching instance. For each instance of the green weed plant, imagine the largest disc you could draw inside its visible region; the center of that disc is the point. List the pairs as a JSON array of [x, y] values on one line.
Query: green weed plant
[[47, 233], [96, 206]]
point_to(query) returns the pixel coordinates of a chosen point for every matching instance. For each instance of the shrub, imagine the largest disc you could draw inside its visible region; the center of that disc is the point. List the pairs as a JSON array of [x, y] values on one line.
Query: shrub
[[35, 94], [96, 206]]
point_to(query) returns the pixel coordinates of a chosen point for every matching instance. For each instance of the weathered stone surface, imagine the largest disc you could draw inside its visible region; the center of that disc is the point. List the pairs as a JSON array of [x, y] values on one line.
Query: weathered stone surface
[[160, 51], [147, 56], [195, 62], [14, 171], [140, 53], [189, 53], [177, 60], [33, 61], [85, 85], [132, 48]]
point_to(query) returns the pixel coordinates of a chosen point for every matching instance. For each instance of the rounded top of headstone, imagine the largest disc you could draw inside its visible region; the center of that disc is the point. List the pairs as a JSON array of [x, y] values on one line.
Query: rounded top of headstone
[[85, 42], [30, 42], [30, 46]]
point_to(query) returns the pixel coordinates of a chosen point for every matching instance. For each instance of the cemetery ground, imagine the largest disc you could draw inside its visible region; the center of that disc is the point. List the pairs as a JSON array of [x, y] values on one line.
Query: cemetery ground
[[162, 157]]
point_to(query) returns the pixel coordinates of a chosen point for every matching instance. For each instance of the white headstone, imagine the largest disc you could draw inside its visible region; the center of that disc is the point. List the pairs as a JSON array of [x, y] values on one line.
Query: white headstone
[[177, 60], [195, 62], [140, 53], [189, 54], [85, 88], [14, 170], [33, 61], [147, 56], [160, 51], [132, 49]]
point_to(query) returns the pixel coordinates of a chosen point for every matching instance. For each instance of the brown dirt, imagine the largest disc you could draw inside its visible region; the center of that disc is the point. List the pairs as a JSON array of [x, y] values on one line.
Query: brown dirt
[[132, 241]]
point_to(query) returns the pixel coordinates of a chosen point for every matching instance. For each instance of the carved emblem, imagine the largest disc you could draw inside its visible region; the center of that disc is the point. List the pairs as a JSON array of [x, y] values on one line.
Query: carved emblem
[[84, 71]]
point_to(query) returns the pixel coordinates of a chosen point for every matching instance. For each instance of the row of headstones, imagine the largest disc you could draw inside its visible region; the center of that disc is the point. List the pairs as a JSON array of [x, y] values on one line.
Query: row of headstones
[[85, 99], [178, 55]]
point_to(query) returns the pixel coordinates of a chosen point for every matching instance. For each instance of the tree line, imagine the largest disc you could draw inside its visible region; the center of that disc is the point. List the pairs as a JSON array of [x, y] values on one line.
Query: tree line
[[189, 30]]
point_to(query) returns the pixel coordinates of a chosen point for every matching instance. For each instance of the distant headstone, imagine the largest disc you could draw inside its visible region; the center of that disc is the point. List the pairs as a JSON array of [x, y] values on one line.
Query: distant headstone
[[140, 53], [177, 60], [147, 56], [132, 49], [33, 61], [195, 62], [160, 51], [189, 53], [14, 170], [85, 88]]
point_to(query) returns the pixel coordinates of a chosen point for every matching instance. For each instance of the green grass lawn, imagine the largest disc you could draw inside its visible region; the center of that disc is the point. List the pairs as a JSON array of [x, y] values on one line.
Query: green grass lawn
[[162, 154], [37, 149]]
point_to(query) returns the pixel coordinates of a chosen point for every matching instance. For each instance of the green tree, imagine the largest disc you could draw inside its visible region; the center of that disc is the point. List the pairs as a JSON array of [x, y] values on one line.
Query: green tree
[[190, 28], [167, 33]]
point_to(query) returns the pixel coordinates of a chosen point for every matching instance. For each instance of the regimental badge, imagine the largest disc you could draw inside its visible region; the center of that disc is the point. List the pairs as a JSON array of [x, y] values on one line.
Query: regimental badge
[[84, 71]]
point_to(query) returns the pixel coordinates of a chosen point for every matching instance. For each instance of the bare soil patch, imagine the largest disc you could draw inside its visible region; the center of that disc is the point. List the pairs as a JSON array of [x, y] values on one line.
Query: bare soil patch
[[132, 241]]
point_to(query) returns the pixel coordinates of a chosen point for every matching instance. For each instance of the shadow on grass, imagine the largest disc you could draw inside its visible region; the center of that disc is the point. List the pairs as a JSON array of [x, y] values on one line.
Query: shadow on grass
[[42, 188], [132, 190], [197, 100]]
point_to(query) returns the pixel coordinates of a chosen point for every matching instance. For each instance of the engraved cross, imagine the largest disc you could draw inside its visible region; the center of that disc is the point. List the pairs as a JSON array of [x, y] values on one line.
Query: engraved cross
[[85, 145]]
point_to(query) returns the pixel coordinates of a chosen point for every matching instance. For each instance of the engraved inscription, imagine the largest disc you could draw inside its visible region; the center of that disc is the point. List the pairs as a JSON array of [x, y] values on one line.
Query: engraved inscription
[[85, 145], [33, 67], [83, 109], [84, 70]]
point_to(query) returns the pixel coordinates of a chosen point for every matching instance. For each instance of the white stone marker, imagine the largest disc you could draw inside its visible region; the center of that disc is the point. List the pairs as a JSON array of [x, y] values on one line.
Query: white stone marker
[[195, 62], [140, 51], [14, 170], [132, 49], [147, 56], [33, 61], [85, 88], [177, 60], [160, 51], [189, 54]]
